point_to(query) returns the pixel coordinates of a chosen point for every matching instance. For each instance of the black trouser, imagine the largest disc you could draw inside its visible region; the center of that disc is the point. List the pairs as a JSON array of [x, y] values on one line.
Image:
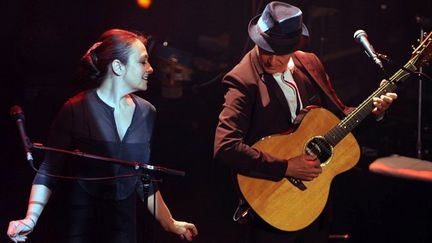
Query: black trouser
[[93, 220]]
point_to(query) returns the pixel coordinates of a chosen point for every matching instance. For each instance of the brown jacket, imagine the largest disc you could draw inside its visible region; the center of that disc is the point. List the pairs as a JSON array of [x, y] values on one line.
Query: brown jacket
[[256, 107]]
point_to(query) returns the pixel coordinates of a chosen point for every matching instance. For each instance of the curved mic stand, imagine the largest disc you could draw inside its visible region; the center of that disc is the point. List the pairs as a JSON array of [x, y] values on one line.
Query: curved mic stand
[[136, 165], [146, 178]]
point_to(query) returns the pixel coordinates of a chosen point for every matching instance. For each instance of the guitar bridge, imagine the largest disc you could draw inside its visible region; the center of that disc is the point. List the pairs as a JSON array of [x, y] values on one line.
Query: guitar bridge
[[297, 183]]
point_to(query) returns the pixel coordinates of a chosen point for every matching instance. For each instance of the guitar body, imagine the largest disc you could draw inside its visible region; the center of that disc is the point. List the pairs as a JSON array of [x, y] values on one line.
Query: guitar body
[[283, 205]]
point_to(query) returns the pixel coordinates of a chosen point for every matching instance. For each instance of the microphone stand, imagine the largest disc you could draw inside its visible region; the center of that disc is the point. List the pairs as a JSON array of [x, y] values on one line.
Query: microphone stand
[[419, 111], [420, 96], [146, 178], [135, 164]]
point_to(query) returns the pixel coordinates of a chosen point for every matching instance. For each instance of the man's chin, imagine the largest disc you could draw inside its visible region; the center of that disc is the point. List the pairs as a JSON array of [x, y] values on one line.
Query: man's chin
[[273, 70]]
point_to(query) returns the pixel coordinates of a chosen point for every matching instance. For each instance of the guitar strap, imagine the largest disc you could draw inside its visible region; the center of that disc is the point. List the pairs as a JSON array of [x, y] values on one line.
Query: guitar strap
[[242, 213], [306, 63]]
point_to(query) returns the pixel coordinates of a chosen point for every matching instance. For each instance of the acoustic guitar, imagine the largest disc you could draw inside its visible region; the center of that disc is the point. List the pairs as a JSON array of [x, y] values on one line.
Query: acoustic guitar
[[291, 204]]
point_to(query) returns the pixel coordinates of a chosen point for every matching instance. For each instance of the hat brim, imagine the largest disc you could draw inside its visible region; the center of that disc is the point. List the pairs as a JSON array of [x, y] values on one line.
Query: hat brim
[[259, 40]]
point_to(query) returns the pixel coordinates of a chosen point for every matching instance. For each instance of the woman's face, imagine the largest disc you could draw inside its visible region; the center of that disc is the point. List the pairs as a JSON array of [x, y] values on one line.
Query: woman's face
[[271, 62], [138, 67]]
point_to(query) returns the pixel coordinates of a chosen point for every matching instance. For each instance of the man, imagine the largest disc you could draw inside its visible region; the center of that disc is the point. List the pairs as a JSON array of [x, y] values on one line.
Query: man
[[264, 93]]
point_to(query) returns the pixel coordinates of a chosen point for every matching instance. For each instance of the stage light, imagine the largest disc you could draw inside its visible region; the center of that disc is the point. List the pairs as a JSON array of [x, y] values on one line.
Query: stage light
[[144, 3]]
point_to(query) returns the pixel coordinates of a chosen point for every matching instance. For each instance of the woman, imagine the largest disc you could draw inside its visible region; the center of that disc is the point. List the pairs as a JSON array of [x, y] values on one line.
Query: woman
[[108, 121]]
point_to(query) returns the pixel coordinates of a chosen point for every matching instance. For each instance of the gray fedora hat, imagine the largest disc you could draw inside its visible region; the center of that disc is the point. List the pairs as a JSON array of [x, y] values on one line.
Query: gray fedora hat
[[279, 29]]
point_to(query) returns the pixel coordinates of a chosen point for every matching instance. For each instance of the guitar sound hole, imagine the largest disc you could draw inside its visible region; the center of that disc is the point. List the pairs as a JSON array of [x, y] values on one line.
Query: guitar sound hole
[[320, 147]]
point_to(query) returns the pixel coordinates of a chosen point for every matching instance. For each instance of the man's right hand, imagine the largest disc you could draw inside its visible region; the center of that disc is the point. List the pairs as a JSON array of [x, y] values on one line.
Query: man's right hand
[[304, 167]]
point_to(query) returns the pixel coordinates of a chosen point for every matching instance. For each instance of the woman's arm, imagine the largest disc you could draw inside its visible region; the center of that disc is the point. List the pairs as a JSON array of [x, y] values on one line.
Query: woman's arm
[[163, 215], [19, 229]]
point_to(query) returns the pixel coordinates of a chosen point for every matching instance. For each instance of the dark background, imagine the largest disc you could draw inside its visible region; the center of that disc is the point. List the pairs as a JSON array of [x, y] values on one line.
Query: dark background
[[43, 40]]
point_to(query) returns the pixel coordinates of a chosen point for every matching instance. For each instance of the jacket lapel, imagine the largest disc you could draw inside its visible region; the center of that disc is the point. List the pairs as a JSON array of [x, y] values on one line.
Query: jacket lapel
[[319, 79], [305, 63], [301, 81], [277, 91], [270, 83]]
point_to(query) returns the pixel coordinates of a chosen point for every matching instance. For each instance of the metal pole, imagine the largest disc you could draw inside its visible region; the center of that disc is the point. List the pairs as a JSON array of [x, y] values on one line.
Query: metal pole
[[419, 113]]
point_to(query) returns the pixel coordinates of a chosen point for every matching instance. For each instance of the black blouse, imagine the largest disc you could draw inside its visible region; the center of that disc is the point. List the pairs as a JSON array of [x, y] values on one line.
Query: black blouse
[[87, 124]]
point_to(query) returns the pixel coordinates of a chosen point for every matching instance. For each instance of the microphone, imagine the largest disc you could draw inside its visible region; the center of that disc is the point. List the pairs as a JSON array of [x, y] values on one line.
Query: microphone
[[360, 37], [18, 115]]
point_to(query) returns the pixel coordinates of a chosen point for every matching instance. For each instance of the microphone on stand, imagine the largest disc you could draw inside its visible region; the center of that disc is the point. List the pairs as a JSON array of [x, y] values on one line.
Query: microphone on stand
[[360, 37], [18, 115]]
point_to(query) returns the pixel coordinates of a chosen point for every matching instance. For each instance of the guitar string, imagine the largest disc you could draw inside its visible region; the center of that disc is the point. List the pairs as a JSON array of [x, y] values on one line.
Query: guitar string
[[340, 131], [338, 134]]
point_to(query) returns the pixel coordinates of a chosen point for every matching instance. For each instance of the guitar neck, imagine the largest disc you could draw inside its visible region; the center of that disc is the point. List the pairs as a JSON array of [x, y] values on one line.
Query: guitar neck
[[337, 133]]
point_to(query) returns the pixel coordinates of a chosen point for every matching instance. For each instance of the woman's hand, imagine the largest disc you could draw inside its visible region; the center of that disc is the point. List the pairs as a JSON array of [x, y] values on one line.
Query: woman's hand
[[19, 229], [185, 230]]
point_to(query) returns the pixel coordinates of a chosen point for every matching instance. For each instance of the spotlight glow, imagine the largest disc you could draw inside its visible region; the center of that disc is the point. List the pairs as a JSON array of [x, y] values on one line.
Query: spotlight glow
[[144, 3]]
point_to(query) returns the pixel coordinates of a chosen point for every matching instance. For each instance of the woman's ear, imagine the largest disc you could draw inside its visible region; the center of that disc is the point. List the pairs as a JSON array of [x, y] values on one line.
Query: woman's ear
[[117, 67]]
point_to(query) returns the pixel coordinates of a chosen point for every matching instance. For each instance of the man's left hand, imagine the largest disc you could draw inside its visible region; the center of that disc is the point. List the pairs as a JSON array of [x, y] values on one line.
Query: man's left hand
[[383, 102]]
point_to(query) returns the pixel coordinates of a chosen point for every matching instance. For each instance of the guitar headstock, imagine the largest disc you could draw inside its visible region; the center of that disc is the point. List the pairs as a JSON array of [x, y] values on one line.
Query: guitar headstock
[[423, 53]]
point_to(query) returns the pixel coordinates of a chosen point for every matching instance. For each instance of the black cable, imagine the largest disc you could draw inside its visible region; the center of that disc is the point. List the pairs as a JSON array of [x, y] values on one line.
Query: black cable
[[154, 216], [420, 74], [390, 61]]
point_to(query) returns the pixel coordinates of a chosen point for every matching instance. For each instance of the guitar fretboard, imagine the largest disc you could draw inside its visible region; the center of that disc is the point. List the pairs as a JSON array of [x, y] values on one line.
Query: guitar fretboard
[[336, 134]]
